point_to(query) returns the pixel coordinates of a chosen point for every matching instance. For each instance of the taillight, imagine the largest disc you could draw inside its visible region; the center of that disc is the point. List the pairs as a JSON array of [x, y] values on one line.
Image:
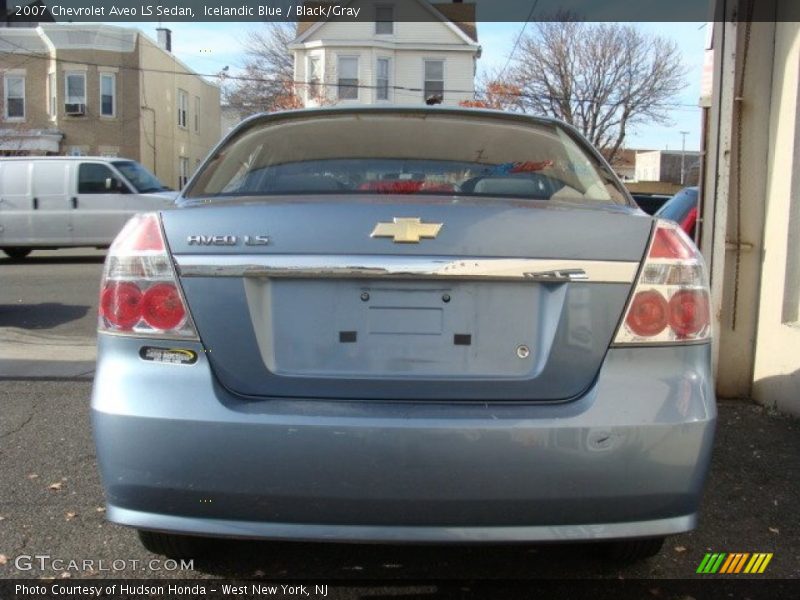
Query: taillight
[[139, 294], [670, 302]]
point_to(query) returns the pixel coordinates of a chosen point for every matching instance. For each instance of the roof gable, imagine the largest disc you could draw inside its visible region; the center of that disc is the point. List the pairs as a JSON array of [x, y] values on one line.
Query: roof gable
[[458, 17]]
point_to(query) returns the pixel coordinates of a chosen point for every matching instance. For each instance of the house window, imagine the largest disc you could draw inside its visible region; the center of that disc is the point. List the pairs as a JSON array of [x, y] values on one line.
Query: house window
[[75, 85], [384, 20], [197, 114], [14, 86], [314, 77], [183, 171], [434, 79], [52, 108], [108, 94], [183, 108], [348, 78], [382, 79]]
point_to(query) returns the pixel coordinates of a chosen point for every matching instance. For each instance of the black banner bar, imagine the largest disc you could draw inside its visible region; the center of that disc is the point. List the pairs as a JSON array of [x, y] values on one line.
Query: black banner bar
[[64, 11], [709, 588]]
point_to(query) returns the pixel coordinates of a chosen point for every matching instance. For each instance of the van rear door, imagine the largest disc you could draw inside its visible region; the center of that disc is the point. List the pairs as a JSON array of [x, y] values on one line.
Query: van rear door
[[100, 210], [15, 202], [51, 214]]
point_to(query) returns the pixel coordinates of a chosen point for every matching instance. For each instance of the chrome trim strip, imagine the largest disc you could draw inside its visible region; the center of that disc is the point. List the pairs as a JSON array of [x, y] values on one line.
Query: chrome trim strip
[[404, 267]]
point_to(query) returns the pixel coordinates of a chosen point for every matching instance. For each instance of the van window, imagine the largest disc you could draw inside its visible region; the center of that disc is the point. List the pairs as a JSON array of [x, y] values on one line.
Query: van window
[[141, 179], [50, 177], [92, 178]]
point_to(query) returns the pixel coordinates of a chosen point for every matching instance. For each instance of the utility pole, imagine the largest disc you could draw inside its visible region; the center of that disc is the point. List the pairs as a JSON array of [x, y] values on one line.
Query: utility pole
[[683, 157]]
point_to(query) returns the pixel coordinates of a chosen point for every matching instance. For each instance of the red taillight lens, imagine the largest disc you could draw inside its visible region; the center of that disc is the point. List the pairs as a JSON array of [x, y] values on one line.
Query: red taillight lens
[[648, 314], [121, 304], [140, 294], [688, 312], [162, 307], [140, 235], [670, 301], [668, 244]]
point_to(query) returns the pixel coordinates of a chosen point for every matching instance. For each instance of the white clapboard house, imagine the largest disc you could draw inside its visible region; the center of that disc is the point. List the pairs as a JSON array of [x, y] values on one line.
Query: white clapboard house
[[405, 53]]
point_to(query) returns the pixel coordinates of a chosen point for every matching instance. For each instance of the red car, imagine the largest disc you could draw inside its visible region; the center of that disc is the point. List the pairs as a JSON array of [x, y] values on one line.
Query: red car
[[682, 208]]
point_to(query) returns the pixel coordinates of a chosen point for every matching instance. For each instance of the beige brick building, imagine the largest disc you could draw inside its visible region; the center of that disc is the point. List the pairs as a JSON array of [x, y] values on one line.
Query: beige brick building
[[104, 90]]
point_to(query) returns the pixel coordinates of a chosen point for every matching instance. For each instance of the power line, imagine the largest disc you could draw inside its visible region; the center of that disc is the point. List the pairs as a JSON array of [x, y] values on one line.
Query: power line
[[290, 82], [519, 38]]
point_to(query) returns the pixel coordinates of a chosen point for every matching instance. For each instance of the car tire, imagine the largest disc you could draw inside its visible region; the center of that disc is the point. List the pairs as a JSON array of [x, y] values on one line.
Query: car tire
[[173, 546], [632, 550], [17, 253]]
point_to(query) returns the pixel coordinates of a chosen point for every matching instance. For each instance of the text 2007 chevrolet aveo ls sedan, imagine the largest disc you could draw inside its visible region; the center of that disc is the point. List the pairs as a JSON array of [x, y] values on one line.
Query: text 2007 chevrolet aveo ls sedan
[[416, 325]]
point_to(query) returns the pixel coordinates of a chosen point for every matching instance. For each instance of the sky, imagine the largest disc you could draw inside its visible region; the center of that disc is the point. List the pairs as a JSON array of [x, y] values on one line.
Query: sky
[[209, 47]]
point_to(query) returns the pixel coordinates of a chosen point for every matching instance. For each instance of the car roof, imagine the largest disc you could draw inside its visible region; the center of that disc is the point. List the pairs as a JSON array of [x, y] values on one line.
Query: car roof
[[402, 109]]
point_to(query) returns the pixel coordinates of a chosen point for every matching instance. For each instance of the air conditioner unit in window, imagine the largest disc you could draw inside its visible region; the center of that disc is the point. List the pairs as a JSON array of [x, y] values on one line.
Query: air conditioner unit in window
[[75, 109]]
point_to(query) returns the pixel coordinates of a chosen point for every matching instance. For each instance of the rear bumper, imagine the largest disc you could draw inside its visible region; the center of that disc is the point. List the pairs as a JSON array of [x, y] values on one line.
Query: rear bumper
[[628, 459]]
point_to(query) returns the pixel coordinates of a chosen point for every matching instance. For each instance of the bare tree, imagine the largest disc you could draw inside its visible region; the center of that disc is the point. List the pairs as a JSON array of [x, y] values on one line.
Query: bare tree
[[603, 78], [268, 72]]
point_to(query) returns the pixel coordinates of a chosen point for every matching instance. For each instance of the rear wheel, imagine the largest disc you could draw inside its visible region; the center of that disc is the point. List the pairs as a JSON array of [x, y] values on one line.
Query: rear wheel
[[17, 253], [173, 546], [632, 550]]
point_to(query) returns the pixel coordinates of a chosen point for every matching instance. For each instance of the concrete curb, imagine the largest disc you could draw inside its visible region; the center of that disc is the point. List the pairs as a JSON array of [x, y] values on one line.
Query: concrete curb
[[46, 369], [26, 354]]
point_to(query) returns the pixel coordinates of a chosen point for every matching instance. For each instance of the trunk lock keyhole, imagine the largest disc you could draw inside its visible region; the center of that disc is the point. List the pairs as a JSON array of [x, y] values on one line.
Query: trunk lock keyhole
[[523, 351], [364, 296]]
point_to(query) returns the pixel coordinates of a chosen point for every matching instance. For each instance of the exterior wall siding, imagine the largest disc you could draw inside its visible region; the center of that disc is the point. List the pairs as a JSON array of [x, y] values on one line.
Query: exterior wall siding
[[424, 32], [406, 71], [34, 68], [92, 131], [161, 78], [777, 356]]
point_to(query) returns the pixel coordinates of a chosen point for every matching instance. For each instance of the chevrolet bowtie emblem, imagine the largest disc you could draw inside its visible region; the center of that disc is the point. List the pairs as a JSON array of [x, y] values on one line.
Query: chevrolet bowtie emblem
[[406, 231]]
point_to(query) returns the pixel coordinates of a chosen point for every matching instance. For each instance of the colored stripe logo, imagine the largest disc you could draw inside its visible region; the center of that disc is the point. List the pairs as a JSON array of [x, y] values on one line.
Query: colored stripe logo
[[734, 563]]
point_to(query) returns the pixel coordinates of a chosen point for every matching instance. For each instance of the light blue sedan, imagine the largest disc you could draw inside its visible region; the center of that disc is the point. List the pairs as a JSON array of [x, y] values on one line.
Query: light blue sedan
[[404, 325]]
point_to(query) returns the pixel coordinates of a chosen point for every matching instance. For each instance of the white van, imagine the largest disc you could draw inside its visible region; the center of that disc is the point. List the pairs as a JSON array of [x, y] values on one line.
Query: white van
[[61, 201]]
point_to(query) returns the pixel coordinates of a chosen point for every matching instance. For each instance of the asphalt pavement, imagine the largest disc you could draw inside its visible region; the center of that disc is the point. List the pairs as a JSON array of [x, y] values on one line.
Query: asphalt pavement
[[51, 502], [48, 313]]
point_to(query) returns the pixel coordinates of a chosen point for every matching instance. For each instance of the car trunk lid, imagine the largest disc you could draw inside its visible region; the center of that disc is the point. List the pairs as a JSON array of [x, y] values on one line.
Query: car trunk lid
[[511, 300]]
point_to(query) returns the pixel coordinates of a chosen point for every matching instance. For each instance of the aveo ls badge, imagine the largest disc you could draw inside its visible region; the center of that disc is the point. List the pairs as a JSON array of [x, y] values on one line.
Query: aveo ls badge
[[227, 240]]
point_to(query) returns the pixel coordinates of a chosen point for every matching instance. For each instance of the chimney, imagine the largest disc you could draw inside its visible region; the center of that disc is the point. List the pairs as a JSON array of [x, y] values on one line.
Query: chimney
[[165, 38]]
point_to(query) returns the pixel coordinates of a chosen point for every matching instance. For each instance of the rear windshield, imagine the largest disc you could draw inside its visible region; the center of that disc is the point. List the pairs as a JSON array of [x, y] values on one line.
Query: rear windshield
[[405, 154]]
